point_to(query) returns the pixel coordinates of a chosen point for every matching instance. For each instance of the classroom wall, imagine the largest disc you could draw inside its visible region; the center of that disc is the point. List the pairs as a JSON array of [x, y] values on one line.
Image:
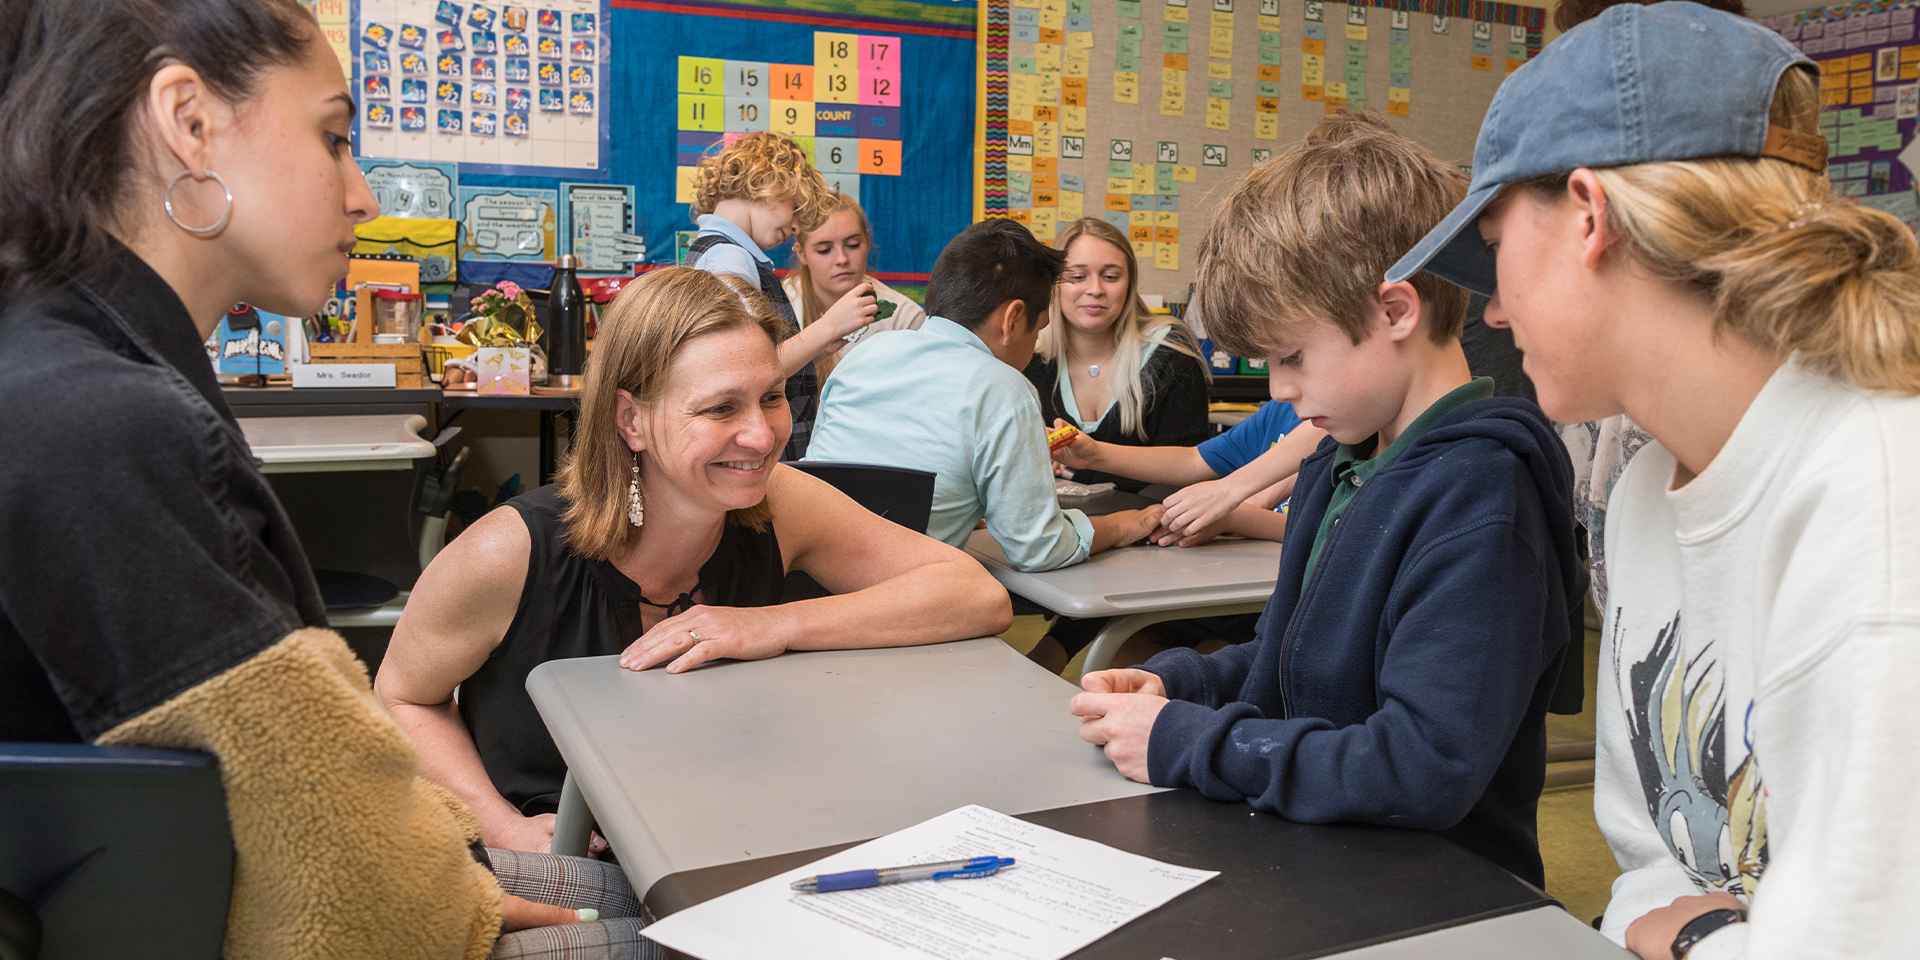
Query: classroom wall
[[1145, 113]]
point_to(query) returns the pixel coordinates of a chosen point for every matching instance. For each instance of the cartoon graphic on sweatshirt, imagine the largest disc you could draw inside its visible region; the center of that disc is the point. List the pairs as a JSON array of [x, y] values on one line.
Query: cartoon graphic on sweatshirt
[[1713, 821]]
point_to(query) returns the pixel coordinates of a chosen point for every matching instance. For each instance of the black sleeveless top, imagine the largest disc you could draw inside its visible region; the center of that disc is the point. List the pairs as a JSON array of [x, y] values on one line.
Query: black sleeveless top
[[571, 607], [803, 388]]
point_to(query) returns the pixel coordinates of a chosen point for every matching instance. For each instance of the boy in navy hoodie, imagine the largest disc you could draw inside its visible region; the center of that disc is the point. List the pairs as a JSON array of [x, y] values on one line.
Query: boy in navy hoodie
[[1401, 672]]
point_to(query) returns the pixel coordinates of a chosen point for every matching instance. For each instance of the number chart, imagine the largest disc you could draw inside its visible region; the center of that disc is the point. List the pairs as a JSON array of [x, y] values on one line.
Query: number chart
[[498, 88], [843, 108]]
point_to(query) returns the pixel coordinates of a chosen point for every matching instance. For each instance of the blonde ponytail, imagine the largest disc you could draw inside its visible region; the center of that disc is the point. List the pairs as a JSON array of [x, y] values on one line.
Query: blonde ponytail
[[1840, 285], [1786, 264]]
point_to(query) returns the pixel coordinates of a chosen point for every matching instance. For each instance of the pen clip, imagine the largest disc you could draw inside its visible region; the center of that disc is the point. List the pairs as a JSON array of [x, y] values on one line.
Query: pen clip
[[981, 867]]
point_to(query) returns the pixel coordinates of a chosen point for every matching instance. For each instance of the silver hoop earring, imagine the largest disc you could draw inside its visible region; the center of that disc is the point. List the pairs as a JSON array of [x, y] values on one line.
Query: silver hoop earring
[[636, 508], [219, 224]]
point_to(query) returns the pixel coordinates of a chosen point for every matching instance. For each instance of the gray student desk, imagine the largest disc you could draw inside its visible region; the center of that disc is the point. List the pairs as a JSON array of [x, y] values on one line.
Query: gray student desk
[[741, 760], [726, 775], [340, 444], [389, 441], [1143, 585]]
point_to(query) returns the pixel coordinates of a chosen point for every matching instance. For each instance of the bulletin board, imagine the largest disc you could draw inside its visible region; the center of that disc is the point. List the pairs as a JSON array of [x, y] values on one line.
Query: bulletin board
[[1143, 112], [506, 88], [1870, 97], [668, 80]]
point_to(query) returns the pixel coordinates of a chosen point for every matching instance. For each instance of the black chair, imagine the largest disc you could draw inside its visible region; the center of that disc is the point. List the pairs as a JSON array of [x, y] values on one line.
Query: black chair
[[112, 852], [899, 494]]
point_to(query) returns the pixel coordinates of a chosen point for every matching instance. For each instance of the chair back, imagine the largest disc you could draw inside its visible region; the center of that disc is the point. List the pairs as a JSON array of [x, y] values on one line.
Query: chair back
[[112, 852], [900, 494]]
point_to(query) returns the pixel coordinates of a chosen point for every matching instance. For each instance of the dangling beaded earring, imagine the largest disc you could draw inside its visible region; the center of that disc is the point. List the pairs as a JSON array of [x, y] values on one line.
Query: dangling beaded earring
[[636, 508]]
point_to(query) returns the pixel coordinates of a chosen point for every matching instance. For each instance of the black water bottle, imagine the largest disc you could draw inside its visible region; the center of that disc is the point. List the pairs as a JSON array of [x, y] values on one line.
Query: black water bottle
[[567, 320]]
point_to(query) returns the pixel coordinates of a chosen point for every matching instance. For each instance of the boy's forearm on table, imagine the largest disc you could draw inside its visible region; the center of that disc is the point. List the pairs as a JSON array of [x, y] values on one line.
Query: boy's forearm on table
[[1258, 523], [1176, 466], [1270, 497]]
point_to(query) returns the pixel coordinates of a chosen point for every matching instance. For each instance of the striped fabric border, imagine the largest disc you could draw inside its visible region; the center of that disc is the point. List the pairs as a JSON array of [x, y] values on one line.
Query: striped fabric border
[[993, 95], [785, 13], [1841, 11]]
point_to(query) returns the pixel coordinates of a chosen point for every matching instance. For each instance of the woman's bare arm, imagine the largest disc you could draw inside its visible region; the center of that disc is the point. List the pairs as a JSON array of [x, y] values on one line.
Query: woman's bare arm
[[892, 587], [457, 614]]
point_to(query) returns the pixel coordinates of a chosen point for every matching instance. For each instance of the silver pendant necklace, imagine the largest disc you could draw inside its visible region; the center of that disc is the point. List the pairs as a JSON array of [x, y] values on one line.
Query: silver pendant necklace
[[1093, 369]]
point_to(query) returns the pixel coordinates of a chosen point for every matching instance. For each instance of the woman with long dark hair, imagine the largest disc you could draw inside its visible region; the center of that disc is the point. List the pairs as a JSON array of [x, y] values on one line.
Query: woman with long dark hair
[[165, 159]]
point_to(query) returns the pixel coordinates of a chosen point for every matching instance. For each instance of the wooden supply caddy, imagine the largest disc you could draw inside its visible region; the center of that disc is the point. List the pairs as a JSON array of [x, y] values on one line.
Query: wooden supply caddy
[[408, 369]]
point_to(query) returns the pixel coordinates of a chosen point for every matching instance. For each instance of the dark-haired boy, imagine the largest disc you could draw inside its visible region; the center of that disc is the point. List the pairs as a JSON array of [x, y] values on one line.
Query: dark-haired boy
[[1401, 672], [950, 398]]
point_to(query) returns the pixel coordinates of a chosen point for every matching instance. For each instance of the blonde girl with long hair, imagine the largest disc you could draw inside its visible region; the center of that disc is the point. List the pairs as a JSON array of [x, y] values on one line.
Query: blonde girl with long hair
[[1651, 212], [1116, 371], [1108, 366], [829, 261]]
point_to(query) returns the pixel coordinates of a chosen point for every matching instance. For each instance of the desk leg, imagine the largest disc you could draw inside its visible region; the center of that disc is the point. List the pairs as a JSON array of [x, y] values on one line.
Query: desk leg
[[573, 825], [1119, 629], [547, 445]]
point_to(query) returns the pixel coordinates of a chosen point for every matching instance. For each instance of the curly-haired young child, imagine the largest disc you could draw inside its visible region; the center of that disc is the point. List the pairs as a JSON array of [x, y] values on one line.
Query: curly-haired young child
[[754, 195]]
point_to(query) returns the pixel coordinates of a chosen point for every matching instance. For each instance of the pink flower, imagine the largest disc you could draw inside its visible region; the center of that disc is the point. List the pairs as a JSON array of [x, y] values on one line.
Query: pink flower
[[508, 289]]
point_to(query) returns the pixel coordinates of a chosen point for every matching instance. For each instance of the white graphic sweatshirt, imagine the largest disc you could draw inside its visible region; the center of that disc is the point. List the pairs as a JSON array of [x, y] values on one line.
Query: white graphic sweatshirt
[[1760, 648]]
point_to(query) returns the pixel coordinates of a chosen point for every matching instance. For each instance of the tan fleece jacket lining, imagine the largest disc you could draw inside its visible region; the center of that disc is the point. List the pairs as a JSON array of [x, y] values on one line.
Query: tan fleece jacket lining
[[340, 848]]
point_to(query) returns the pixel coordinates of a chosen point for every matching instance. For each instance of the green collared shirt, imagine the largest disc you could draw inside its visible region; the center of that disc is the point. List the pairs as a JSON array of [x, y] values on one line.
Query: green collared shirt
[[1350, 472]]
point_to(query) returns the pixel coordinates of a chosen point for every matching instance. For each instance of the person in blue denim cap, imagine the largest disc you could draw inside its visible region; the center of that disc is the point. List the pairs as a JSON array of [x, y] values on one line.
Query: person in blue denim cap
[[1651, 214]]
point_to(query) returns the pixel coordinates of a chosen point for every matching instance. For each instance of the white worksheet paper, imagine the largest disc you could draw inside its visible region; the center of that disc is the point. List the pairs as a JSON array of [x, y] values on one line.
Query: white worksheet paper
[[1063, 893]]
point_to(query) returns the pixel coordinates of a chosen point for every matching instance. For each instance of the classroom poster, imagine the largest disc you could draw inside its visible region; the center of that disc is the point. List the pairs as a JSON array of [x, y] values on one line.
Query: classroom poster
[[498, 223], [599, 226], [1138, 112], [842, 108], [412, 188], [503, 88]]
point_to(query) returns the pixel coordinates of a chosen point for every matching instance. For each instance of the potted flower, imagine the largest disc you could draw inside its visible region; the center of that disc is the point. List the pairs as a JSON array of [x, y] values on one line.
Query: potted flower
[[502, 328]]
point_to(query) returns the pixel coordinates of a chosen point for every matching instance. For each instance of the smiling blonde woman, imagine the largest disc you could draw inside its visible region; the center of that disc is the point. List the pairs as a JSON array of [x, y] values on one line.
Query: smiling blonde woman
[[665, 540]]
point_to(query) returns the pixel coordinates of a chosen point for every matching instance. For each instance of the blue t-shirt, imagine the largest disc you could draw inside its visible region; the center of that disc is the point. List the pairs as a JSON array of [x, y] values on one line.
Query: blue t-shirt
[[1249, 438]]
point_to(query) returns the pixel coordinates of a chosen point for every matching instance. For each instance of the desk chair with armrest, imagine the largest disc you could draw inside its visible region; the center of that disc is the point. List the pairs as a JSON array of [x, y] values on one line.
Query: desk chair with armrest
[[897, 493], [361, 600], [112, 852], [902, 495]]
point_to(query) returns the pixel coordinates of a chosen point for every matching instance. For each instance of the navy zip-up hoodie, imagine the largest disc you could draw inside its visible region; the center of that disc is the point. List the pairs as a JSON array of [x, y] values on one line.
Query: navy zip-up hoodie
[[1407, 684]]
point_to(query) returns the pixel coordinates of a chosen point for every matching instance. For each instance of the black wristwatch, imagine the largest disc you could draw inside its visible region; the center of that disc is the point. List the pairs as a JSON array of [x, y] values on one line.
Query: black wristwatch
[[1703, 926]]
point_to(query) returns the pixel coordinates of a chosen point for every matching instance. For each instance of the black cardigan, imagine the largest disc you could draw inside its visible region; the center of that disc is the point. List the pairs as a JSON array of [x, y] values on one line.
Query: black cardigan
[[1174, 414]]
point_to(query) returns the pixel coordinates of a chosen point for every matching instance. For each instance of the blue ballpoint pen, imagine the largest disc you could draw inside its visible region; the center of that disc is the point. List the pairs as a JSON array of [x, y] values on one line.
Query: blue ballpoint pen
[[859, 879]]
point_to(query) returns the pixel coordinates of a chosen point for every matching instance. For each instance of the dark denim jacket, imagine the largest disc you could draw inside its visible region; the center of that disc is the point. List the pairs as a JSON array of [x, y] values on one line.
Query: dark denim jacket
[[144, 553]]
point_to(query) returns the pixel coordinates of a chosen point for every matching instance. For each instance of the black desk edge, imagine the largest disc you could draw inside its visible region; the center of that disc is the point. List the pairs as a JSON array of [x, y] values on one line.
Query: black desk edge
[[1317, 890]]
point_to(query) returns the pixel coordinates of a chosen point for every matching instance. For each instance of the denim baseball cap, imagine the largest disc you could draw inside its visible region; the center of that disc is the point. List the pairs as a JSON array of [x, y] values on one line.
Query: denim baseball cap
[[1637, 84]]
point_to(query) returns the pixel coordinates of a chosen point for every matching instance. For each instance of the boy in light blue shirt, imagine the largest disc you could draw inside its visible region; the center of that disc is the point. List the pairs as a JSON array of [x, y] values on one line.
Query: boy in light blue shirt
[[950, 398]]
